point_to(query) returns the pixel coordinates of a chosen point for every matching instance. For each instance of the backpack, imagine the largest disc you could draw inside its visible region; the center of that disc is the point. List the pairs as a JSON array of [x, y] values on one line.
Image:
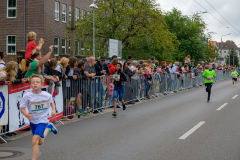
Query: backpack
[[70, 112]]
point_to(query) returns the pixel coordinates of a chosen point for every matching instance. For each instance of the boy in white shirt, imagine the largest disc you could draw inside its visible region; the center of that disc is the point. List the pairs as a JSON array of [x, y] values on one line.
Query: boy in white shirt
[[38, 102]]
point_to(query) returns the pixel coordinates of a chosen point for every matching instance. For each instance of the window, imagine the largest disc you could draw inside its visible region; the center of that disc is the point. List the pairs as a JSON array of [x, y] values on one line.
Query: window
[[76, 47], [70, 13], [83, 14], [11, 45], [56, 46], [64, 7], [12, 9], [77, 14], [57, 11], [82, 47], [224, 51], [69, 47], [63, 46]]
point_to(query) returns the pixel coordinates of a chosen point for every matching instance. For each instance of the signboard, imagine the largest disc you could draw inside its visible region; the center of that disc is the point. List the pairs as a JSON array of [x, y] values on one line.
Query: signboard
[[4, 105], [18, 121], [115, 48]]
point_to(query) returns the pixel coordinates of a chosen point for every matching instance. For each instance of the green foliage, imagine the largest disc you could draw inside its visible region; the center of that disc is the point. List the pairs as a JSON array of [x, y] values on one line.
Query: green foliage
[[144, 31], [138, 24], [233, 56], [190, 35]]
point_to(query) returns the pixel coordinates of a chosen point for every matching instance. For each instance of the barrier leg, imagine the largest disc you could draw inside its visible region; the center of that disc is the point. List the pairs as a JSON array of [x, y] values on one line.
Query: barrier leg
[[3, 139], [60, 122]]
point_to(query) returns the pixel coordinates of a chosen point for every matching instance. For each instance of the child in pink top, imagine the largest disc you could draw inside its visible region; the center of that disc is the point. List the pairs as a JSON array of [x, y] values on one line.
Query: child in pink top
[[110, 91]]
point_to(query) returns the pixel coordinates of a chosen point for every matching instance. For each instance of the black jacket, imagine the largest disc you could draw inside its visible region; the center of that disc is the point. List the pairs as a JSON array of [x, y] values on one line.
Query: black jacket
[[98, 69], [20, 76], [123, 78], [80, 74], [129, 72], [49, 71], [68, 68]]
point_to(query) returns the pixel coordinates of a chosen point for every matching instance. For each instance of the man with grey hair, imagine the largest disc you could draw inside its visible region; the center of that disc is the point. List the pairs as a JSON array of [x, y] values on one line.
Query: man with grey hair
[[133, 68]]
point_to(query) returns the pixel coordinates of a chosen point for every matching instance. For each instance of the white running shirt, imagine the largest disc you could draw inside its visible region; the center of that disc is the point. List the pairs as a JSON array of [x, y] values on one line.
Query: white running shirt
[[43, 99]]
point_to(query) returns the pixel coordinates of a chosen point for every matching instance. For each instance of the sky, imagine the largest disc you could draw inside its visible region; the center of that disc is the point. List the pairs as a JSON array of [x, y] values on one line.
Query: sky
[[226, 13]]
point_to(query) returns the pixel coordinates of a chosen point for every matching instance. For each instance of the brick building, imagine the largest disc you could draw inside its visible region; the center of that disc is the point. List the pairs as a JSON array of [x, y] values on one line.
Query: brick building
[[48, 18]]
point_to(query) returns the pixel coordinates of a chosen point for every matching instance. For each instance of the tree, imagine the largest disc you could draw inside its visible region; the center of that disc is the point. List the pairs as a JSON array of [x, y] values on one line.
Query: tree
[[233, 56], [190, 35], [138, 24]]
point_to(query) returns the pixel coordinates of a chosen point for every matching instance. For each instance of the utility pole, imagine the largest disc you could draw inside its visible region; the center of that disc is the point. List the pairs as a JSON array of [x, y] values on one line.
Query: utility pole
[[72, 39], [93, 6], [229, 57], [233, 57], [93, 31]]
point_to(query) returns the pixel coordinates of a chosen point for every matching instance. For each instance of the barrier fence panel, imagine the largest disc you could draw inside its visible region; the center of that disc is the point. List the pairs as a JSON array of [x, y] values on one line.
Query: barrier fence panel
[[93, 95], [4, 114]]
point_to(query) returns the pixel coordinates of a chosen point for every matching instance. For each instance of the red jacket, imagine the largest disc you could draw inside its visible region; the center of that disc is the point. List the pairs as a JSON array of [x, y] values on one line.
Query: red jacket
[[112, 68]]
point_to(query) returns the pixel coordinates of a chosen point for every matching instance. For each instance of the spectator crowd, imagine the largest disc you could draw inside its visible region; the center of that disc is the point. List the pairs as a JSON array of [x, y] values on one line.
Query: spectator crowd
[[89, 68]]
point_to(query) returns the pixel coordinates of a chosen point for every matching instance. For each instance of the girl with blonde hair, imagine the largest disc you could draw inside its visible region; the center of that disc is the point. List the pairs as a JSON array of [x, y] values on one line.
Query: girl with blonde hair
[[9, 72]]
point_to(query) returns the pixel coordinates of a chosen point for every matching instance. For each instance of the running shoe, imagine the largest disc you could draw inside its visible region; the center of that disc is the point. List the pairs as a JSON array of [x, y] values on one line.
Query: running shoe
[[52, 128], [114, 114], [81, 112], [233, 85], [124, 107]]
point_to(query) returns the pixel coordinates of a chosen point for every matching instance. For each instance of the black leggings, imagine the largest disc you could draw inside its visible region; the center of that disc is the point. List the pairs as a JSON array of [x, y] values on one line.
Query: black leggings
[[208, 89]]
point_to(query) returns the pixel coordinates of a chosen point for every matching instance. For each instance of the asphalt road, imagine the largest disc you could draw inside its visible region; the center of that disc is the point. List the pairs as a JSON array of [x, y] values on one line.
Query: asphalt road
[[182, 126]]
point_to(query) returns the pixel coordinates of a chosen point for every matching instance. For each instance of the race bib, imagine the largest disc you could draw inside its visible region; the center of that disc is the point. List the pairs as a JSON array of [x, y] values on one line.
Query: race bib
[[39, 106], [116, 76], [234, 76], [209, 79]]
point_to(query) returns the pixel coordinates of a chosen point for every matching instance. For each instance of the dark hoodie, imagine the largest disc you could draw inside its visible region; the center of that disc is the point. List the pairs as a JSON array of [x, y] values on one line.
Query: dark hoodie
[[122, 78], [112, 68]]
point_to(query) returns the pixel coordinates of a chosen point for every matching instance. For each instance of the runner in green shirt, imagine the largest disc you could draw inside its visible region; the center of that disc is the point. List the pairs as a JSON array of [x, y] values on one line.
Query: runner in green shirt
[[234, 75], [209, 74], [238, 70]]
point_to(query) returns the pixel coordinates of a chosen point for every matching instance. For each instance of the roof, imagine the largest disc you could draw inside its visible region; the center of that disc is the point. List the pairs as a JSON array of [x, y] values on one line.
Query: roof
[[227, 45]]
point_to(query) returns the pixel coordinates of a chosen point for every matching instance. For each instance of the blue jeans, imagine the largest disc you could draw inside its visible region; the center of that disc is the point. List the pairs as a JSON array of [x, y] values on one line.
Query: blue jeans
[[159, 78], [110, 99], [118, 92], [146, 87]]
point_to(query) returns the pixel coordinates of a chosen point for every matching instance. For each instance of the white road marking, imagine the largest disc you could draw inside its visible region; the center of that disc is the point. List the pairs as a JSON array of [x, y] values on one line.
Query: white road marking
[[234, 97], [222, 106], [192, 130]]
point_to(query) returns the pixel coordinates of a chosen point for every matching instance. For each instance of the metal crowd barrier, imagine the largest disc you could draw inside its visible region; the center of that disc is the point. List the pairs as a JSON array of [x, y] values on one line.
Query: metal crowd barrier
[[95, 94]]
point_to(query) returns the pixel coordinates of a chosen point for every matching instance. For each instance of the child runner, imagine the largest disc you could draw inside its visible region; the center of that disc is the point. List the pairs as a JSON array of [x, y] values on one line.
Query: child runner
[[119, 79], [238, 73], [234, 75], [209, 74], [37, 102]]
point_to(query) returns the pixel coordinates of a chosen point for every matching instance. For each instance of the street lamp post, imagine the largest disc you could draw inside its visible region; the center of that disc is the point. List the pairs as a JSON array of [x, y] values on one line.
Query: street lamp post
[[222, 48], [93, 6]]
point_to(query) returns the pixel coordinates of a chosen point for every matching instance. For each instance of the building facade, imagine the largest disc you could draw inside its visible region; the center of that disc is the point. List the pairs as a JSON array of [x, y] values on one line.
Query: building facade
[[48, 18], [224, 49]]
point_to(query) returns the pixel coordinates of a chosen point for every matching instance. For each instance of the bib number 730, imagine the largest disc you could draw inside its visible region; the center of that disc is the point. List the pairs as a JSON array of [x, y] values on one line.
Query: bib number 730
[[39, 106]]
